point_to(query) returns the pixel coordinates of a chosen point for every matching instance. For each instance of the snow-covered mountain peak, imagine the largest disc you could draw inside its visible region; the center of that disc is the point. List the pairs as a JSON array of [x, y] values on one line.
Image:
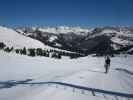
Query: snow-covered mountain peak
[[64, 30]]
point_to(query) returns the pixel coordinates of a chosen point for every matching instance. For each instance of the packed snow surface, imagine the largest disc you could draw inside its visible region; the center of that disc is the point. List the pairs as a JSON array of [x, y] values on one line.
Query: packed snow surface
[[86, 71]]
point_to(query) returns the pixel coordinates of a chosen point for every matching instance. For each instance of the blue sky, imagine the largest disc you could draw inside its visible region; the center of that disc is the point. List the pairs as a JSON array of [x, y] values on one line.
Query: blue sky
[[66, 12]]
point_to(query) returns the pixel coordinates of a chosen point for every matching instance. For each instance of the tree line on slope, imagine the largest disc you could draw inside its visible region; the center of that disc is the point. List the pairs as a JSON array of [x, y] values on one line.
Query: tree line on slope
[[39, 52]]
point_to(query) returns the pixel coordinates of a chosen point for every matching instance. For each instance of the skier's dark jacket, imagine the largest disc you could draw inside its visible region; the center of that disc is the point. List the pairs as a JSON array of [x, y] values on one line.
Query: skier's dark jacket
[[107, 61]]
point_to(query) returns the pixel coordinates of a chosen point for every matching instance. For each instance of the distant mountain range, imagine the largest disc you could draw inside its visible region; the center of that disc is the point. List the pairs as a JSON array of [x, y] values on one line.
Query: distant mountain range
[[100, 40]]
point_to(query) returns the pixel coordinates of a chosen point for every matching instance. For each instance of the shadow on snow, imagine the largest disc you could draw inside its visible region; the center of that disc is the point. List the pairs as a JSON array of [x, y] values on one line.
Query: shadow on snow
[[12, 83]]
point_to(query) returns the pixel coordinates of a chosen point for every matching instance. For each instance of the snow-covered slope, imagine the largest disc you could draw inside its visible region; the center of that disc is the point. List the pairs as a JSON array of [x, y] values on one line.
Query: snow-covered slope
[[87, 71], [118, 35], [12, 38]]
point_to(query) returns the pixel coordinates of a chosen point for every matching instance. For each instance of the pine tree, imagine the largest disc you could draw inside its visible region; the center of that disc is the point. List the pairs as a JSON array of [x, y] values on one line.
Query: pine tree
[[59, 56], [7, 49], [39, 52], [23, 51], [31, 52], [2, 45], [17, 51]]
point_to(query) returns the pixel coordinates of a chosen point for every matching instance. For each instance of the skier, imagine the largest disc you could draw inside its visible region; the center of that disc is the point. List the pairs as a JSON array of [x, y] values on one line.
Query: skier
[[107, 63]]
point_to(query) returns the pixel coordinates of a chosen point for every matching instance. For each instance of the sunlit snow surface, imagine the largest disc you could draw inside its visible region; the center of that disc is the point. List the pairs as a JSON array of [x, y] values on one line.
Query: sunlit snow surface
[[86, 71]]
